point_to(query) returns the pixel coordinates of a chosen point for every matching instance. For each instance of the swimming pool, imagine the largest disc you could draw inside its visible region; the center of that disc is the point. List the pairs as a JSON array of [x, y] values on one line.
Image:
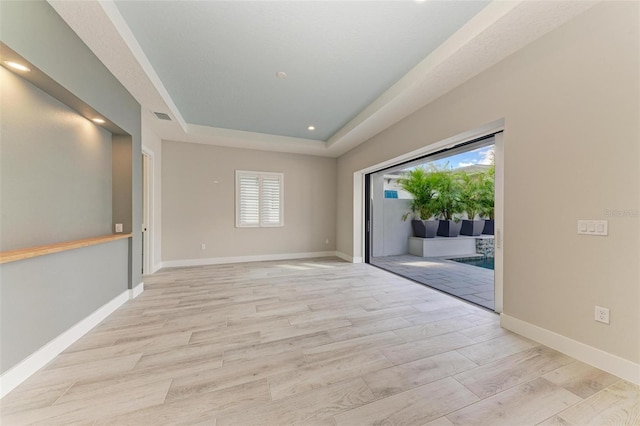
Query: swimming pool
[[482, 262]]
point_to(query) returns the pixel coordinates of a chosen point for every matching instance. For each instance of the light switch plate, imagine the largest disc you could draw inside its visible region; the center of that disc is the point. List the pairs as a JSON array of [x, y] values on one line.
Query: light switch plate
[[118, 227], [593, 227]]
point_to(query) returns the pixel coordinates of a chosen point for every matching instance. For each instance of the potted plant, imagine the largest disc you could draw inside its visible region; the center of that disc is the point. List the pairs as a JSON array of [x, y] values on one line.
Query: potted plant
[[420, 184], [487, 200], [448, 202], [471, 193]]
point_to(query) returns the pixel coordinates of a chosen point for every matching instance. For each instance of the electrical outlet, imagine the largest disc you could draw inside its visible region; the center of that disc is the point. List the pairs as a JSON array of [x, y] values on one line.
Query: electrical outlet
[[203, 246], [602, 314]]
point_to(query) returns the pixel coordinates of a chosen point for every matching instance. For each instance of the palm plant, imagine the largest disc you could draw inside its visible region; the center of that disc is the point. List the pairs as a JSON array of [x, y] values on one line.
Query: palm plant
[[472, 191], [448, 197], [419, 183], [486, 193]]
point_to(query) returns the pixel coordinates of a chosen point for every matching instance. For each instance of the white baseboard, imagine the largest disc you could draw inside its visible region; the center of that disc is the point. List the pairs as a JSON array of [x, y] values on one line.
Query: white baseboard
[[598, 358], [157, 267], [136, 291], [21, 371], [242, 259], [344, 256]]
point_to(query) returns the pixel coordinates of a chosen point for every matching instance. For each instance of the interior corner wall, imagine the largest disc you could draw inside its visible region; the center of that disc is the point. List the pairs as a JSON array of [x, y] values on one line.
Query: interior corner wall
[[43, 201], [198, 203], [571, 109], [35, 31], [153, 144], [122, 178], [59, 290]]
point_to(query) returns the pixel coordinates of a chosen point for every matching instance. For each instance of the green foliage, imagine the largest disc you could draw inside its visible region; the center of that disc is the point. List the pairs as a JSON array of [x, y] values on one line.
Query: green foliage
[[419, 183], [487, 193], [448, 197], [445, 194], [472, 186]]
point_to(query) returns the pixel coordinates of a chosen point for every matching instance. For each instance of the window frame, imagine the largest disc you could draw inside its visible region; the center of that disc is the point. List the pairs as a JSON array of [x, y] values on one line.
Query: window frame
[[261, 176]]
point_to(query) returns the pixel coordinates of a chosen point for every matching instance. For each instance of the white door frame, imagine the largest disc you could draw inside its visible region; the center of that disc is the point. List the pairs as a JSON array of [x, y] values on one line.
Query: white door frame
[[148, 217], [359, 182]]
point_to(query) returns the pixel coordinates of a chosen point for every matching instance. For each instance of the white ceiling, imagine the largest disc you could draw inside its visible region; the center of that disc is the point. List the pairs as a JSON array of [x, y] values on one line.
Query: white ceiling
[[354, 68]]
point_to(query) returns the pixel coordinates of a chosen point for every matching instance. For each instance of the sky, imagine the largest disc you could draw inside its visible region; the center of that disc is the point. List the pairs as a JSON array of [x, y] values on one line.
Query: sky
[[477, 156]]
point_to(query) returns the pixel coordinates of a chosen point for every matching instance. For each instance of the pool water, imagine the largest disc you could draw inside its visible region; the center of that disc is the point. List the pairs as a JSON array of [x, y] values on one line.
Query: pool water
[[486, 263]]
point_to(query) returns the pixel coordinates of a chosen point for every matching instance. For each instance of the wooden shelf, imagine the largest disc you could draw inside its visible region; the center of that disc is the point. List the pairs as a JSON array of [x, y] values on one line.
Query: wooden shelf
[[27, 253]]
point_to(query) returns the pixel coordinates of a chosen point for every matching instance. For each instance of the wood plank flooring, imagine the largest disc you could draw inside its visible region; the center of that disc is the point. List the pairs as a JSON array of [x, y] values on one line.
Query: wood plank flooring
[[311, 342]]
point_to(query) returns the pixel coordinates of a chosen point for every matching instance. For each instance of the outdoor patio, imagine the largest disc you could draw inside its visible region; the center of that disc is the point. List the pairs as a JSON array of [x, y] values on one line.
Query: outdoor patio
[[470, 283]]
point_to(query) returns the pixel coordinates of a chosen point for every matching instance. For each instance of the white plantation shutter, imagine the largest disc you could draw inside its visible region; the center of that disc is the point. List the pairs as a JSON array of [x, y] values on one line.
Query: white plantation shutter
[[259, 199], [270, 214], [249, 201]]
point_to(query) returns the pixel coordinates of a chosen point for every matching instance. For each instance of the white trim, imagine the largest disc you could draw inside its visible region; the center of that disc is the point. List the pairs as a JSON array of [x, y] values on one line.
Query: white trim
[[606, 361], [136, 291], [498, 275], [157, 267], [25, 368], [252, 140], [242, 259], [348, 258], [344, 256]]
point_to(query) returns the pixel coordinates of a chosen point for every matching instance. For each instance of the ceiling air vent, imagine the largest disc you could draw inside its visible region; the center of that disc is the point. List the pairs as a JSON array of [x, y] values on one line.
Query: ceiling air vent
[[162, 116]]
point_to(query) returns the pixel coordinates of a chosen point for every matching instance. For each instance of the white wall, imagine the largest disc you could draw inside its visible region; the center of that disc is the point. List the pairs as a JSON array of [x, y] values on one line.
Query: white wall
[[151, 143], [571, 106], [198, 204]]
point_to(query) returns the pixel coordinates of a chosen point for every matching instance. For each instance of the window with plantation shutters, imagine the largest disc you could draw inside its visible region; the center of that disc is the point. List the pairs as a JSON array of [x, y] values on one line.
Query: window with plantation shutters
[[259, 199]]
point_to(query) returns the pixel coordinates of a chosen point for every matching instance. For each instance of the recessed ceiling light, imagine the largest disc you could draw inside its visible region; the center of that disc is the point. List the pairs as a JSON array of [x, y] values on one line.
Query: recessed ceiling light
[[311, 128], [17, 66], [281, 74], [98, 120]]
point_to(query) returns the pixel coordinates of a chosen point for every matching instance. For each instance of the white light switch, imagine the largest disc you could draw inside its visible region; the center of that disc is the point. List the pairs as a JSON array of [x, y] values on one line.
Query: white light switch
[[118, 227], [593, 227]]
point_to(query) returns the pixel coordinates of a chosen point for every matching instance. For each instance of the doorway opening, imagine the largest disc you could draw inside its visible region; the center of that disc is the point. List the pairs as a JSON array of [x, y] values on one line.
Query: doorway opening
[[432, 219]]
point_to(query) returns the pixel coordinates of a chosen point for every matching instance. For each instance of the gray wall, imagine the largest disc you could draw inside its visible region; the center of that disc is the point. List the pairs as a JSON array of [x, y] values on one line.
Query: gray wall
[[196, 209], [41, 160], [377, 214], [390, 234], [571, 106], [36, 32], [44, 296], [122, 177], [396, 232]]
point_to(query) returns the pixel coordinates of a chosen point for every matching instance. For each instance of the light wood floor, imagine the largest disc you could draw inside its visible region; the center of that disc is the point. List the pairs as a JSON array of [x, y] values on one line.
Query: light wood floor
[[311, 342]]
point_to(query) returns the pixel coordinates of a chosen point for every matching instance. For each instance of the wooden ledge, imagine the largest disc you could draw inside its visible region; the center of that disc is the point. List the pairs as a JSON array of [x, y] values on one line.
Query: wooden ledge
[[27, 253]]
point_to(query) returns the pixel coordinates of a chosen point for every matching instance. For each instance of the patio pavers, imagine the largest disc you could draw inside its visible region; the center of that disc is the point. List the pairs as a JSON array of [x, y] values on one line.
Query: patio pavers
[[467, 282]]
